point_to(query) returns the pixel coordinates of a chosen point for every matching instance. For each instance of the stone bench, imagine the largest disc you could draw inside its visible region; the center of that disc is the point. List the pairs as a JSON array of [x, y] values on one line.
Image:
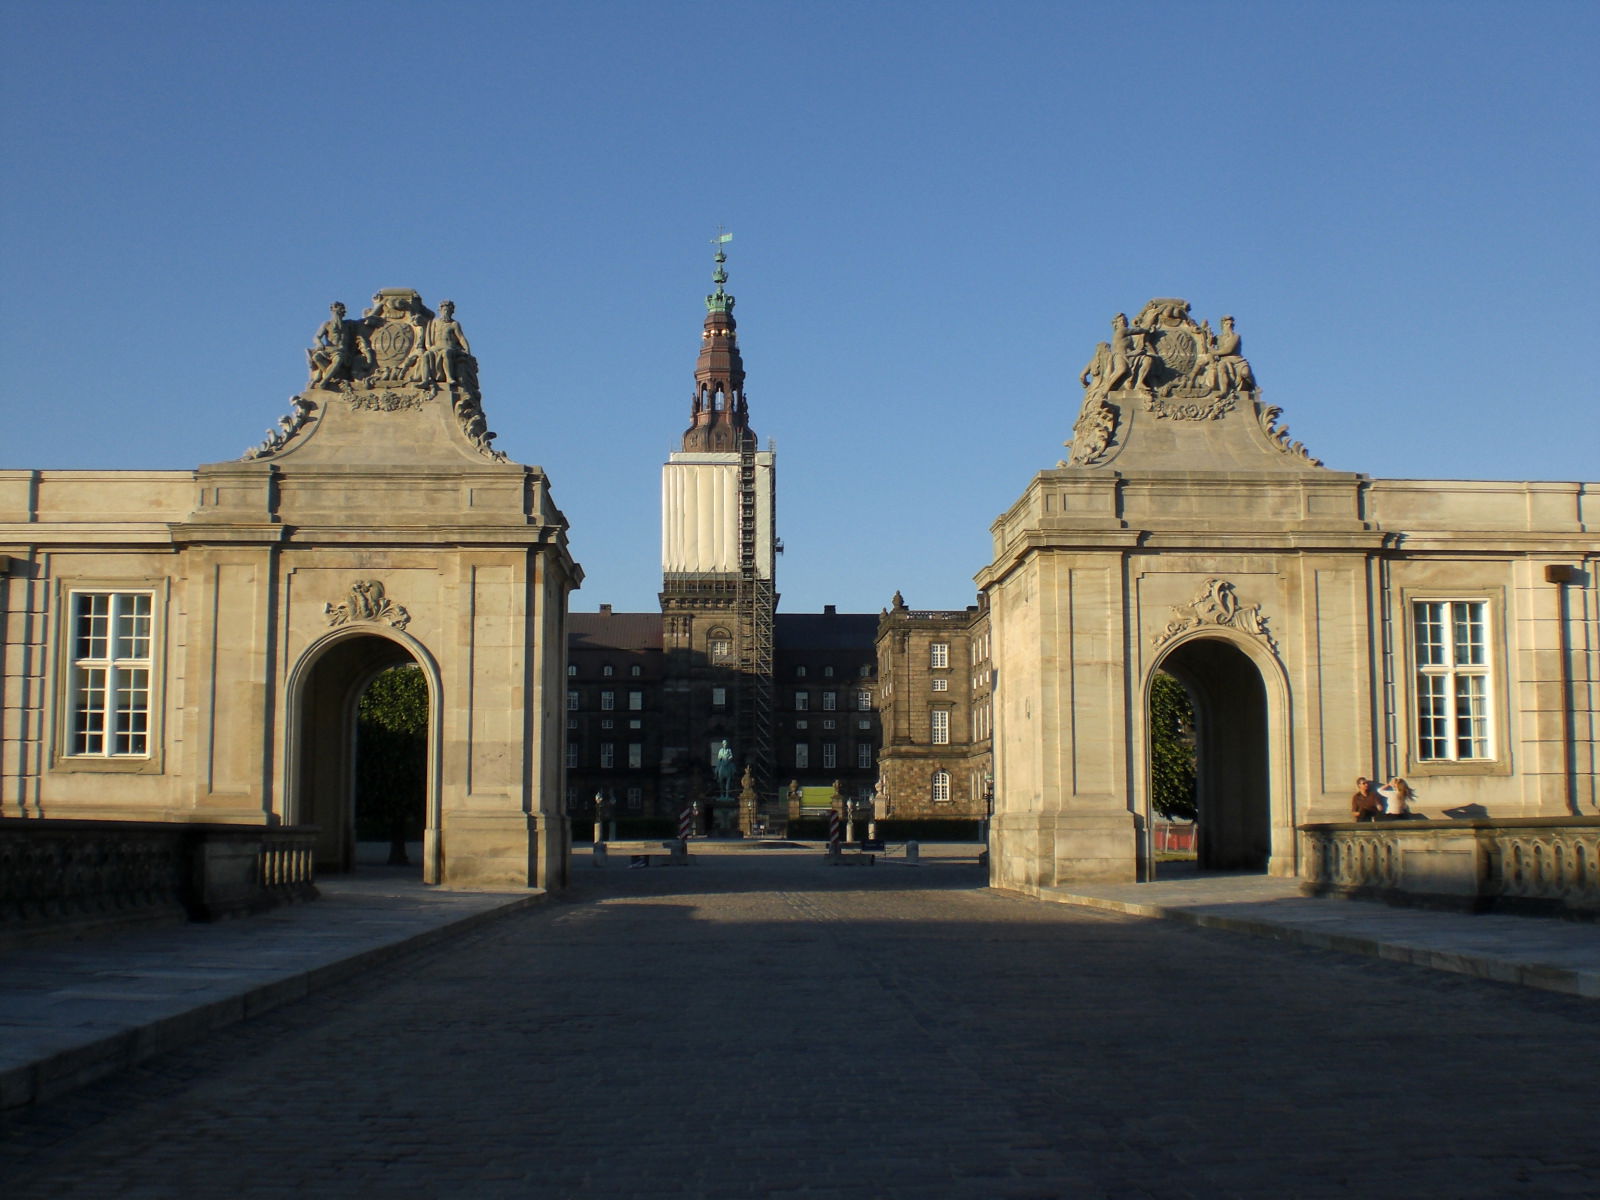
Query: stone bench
[[674, 851], [851, 858]]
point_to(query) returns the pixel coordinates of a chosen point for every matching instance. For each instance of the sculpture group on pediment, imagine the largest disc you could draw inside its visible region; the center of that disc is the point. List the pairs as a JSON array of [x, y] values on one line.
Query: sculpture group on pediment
[[398, 342], [1163, 353]]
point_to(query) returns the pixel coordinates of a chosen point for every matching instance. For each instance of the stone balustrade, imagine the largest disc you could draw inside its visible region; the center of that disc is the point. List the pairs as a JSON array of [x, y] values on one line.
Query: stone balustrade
[[1548, 865], [61, 876]]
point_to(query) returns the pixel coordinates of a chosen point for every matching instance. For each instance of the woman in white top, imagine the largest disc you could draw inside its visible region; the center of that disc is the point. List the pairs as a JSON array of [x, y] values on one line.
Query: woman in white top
[[1396, 795]]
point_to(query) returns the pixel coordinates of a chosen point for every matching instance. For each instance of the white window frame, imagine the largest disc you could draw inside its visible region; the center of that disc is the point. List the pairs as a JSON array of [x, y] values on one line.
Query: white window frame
[[608, 701], [939, 727], [863, 755], [572, 699], [1453, 677], [802, 701], [941, 685], [110, 704], [830, 701], [938, 655], [939, 787], [635, 701], [863, 700], [802, 756], [608, 755], [830, 755]]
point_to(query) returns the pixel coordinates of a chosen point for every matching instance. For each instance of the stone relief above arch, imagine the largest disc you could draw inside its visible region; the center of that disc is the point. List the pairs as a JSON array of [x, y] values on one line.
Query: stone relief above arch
[[367, 601], [1217, 603]]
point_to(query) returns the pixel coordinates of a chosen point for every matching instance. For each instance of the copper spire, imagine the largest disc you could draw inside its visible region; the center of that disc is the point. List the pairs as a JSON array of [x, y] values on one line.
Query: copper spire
[[719, 418]]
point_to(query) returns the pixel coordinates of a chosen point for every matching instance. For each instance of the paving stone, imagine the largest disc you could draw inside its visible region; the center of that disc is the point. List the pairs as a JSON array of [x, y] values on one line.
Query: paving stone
[[763, 1026]]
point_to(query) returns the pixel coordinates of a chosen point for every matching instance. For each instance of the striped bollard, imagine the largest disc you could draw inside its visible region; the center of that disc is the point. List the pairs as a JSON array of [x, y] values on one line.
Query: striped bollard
[[835, 833], [686, 822]]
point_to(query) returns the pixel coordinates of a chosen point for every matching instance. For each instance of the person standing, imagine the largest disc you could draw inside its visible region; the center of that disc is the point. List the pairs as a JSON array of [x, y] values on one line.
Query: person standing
[[1366, 804]]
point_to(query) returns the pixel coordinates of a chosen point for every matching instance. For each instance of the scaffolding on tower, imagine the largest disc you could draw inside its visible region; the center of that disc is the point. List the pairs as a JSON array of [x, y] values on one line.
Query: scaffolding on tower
[[755, 605]]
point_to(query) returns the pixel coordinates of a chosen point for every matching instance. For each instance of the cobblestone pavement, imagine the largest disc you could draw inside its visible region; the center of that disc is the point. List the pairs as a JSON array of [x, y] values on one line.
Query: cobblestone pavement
[[764, 1025]]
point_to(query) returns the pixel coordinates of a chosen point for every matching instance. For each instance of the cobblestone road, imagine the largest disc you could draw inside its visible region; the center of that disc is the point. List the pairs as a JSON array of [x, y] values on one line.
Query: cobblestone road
[[760, 1025]]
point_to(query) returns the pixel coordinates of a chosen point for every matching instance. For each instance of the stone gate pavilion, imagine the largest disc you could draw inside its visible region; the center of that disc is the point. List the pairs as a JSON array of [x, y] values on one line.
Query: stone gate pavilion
[[191, 645], [1326, 625]]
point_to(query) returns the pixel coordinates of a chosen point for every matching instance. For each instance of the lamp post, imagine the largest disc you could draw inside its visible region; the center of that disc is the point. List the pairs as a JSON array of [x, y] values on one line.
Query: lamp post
[[988, 806]]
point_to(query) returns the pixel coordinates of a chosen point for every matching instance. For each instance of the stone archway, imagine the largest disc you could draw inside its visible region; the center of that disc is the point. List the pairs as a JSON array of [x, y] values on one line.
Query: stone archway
[[1232, 752], [324, 695]]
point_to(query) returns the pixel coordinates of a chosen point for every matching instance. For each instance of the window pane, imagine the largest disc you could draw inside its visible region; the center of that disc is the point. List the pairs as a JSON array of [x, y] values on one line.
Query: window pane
[[1472, 717], [1469, 622], [89, 712], [133, 626], [1429, 632], [132, 711], [1432, 716], [91, 623]]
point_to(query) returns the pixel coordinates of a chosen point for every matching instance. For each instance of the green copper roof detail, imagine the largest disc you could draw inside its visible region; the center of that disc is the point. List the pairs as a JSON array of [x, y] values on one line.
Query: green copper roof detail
[[720, 301]]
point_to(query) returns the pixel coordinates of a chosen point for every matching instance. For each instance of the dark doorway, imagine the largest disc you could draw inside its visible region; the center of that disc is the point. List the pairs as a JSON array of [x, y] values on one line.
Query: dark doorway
[[327, 765], [1232, 794]]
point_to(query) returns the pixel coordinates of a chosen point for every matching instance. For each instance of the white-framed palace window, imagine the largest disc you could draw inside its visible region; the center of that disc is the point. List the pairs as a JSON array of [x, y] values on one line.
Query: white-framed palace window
[[939, 655], [1454, 685], [939, 724], [941, 787], [111, 639]]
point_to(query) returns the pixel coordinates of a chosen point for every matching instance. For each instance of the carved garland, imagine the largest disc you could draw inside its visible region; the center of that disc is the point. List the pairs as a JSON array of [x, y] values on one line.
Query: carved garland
[[1210, 411], [367, 602], [1217, 603], [391, 400]]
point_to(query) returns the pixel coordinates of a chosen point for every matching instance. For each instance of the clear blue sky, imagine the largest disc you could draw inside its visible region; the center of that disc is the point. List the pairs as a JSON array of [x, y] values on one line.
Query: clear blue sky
[[937, 208]]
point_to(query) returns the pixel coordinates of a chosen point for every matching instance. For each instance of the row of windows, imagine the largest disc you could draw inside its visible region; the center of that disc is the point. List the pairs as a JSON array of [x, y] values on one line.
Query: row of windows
[[830, 755], [607, 670], [111, 671], [830, 701], [608, 755], [865, 671], [608, 701]]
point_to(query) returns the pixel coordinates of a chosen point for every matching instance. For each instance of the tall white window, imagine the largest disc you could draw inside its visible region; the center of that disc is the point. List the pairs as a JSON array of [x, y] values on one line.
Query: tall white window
[[863, 754], [939, 655], [830, 701], [111, 659], [802, 755], [721, 649], [608, 701], [608, 755], [941, 685], [572, 699], [863, 700], [941, 787], [1453, 693], [939, 722], [830, 755]]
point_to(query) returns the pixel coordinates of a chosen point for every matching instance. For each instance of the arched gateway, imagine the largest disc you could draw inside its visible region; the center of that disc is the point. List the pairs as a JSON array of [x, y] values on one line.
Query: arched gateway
[[376, 525], [1327, 625]]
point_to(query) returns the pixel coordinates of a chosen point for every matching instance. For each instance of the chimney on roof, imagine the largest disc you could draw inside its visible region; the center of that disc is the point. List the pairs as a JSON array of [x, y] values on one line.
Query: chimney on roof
[[605, 610], [830, 610]]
